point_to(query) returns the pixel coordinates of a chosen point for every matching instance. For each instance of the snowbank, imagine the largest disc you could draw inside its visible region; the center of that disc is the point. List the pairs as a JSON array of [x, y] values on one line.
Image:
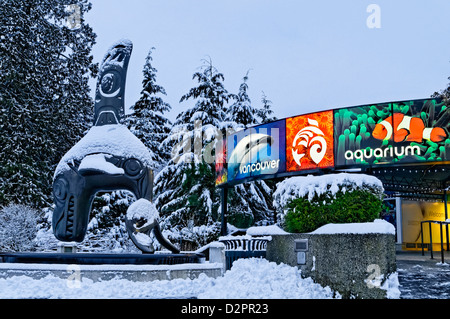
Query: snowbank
[[248, 278], [113, 139], [309, 186], [258, 278], [378, 226], [392, 286]]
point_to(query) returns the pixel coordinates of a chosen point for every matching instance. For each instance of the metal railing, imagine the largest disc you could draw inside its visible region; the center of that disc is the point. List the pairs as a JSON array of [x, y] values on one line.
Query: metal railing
[[237, 248], [441, 223], [245, 244]]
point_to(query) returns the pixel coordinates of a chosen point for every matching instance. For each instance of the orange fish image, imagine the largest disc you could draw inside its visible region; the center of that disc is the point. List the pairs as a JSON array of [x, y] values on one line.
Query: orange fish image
[[407, 128]]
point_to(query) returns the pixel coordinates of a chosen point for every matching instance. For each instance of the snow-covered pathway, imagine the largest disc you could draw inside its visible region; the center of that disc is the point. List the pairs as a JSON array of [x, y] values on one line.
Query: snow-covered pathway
[[419, 280]]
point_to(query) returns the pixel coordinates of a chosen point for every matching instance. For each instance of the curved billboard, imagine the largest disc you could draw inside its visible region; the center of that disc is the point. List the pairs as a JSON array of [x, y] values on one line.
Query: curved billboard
[[415, 131]]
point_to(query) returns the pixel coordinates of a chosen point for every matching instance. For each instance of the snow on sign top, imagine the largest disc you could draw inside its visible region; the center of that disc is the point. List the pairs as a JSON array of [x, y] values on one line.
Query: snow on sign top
[[113, 139]]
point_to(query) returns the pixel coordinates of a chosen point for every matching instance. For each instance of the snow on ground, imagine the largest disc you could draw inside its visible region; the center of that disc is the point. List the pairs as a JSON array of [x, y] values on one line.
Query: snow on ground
[[423, 279], [248, 278], [258, 278]]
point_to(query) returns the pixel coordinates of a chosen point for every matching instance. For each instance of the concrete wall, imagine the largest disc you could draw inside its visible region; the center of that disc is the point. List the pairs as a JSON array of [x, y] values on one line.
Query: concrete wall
[[353, 264], [108, 272]]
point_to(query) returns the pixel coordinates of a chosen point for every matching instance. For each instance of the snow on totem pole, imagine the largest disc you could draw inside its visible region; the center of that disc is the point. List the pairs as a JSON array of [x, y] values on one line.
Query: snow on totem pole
[[109, 157]]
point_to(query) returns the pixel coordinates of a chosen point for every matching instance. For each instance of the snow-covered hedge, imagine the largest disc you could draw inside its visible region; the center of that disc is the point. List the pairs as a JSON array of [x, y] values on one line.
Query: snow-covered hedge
[[305, 203]]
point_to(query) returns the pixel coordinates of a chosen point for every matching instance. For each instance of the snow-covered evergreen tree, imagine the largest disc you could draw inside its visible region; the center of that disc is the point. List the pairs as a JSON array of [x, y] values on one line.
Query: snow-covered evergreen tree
[[147, 121], [444, 94], [250, 202], [44, 94], [242, 111], [211, 97], [185, 188], [265, 112]]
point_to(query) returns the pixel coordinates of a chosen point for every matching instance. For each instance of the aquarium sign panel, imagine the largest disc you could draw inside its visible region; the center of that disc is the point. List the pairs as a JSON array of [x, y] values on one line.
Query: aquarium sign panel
[[256, 151], [309, 141], [387, 133]]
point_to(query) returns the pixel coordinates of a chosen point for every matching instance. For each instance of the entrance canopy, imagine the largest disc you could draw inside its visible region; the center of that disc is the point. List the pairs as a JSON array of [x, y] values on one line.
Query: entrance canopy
[[418, 181], [406, 144]]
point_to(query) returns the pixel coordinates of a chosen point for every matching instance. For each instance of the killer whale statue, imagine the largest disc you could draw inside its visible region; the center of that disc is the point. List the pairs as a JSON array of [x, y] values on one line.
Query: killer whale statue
[[109, 157]]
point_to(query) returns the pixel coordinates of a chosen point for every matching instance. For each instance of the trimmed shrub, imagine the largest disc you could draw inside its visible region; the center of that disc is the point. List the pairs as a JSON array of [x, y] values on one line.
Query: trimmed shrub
[[307, 203], [350, 207]]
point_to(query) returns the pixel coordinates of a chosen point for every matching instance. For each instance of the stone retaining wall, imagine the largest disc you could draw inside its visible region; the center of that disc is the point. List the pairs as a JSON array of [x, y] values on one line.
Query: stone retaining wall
[[355, 265], [108, 272]]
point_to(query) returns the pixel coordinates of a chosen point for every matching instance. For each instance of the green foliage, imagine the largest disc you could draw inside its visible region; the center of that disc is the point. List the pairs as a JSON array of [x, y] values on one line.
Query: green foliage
[[240, 220], [354, 206]]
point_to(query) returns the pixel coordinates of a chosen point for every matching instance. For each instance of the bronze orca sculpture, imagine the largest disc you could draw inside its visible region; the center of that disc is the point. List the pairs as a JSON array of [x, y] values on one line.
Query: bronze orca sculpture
[[109, 157]]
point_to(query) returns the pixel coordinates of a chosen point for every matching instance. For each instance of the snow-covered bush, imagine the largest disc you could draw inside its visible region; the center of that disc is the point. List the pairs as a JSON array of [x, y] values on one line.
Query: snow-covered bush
[[193, 237], [308, 202], [18, 227]]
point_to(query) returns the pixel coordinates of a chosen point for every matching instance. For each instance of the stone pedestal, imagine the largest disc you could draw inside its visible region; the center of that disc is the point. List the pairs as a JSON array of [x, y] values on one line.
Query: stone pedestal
[[67, 247], [355, 265]]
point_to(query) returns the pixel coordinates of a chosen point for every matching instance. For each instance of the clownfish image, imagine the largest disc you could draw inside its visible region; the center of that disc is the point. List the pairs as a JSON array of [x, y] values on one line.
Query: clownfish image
[[407, 128]]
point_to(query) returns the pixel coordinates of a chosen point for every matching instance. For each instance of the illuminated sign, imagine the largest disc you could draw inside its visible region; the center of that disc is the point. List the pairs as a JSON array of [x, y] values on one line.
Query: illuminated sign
[[413, 131], [257, 151], [221, 163], [309, 141], [397, 132]]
